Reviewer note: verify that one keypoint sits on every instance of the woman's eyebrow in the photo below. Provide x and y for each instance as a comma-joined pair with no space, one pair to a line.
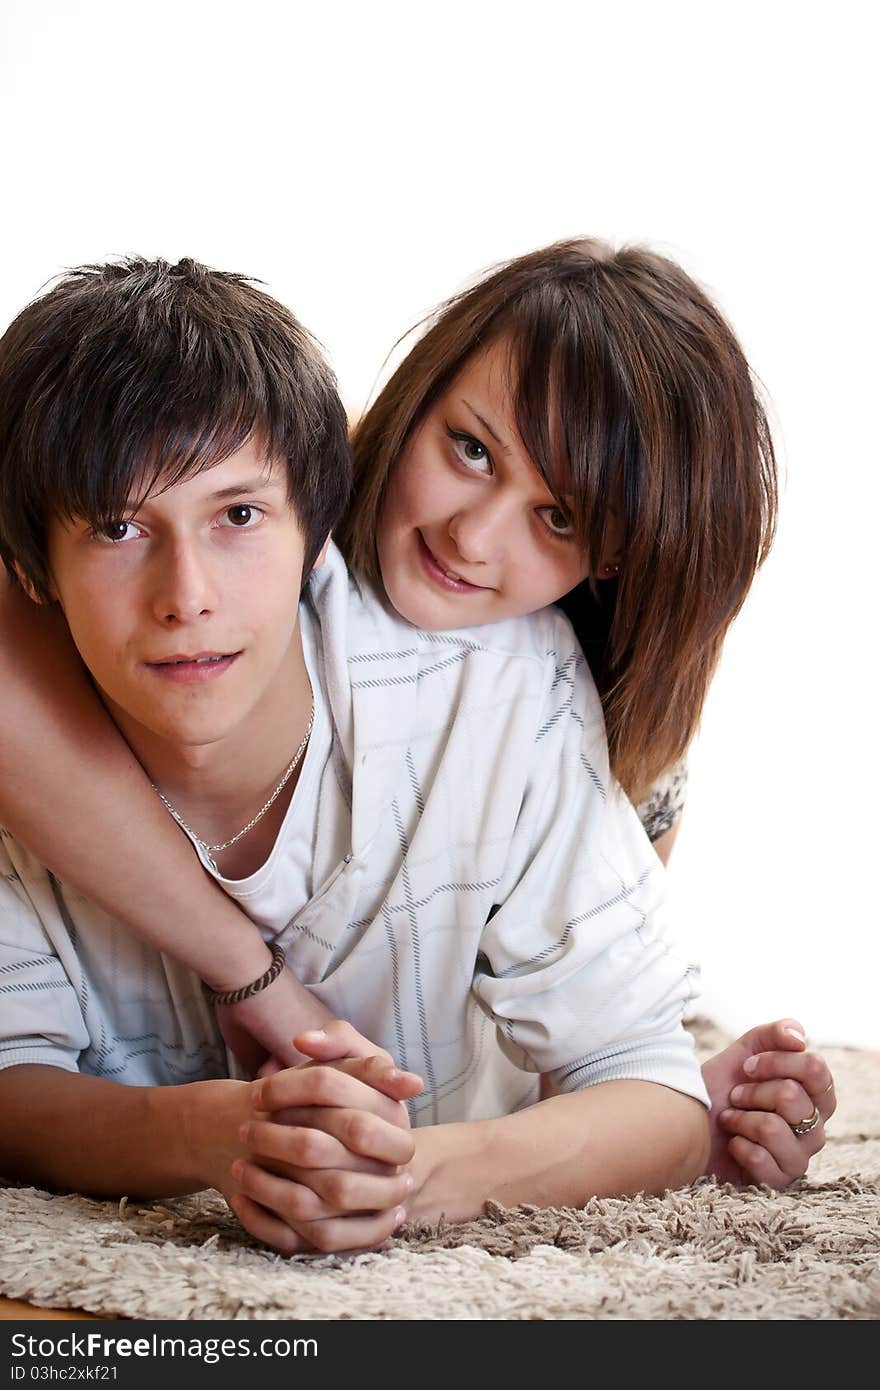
485,423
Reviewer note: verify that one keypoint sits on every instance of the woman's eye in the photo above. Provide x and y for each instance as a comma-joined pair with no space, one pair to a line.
558,521
471,452
116,531
241,515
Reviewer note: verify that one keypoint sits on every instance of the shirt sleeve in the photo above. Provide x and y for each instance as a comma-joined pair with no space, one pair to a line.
40,1016
575,967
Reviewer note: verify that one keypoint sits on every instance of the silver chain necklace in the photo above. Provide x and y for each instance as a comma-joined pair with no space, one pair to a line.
211,850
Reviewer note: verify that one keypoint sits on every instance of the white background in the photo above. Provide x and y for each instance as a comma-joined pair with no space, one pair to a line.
366,159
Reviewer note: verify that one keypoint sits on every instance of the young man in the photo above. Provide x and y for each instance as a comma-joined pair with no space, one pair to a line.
419,821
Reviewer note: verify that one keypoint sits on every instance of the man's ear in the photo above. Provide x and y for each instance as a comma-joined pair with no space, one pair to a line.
28,587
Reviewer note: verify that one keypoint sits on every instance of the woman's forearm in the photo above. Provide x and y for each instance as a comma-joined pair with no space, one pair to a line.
74,793
614,1139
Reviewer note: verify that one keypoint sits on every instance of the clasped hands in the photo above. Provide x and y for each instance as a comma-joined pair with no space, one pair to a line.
325,1155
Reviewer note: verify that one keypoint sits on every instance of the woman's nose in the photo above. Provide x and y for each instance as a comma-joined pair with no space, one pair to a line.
481,531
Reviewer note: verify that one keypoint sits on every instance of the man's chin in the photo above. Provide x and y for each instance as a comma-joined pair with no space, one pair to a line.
187,741
192,738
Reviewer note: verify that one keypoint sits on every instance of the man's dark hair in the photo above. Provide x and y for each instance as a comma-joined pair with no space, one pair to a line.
136,374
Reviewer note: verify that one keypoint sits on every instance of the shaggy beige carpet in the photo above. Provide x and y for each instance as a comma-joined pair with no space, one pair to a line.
708,1252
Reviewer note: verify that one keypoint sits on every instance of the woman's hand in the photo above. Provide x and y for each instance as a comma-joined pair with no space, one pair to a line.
263,1027
760,1086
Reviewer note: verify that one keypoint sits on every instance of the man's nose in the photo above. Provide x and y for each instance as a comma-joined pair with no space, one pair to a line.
185,589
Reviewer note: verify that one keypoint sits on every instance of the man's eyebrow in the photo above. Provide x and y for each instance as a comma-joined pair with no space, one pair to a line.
257,484
485,423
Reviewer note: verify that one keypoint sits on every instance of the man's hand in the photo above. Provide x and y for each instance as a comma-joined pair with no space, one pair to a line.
760,1086
324,1147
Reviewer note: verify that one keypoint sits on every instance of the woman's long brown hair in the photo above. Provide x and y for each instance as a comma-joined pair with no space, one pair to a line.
630,390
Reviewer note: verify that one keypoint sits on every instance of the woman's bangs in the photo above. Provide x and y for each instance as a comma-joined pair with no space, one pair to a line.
560,420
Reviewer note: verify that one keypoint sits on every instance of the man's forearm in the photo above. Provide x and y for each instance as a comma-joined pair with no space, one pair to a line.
64,1130
614,1139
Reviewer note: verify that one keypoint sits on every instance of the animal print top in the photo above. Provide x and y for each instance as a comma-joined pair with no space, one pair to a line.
665,802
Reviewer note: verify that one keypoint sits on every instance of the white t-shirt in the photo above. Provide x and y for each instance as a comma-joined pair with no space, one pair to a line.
284,883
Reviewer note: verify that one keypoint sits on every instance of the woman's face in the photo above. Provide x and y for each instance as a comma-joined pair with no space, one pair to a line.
469,532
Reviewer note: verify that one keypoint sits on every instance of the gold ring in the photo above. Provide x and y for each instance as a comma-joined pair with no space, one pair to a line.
807,1126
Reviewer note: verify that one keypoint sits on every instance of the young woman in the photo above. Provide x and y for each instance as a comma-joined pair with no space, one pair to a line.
580,427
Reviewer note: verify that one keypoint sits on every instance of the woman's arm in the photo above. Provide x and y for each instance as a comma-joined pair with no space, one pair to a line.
74,793
665,843
751,1125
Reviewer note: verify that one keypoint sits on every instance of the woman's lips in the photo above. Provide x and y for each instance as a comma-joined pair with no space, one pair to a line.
193,670
436,572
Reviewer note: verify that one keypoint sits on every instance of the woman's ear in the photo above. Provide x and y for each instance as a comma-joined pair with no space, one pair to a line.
322,553
612,545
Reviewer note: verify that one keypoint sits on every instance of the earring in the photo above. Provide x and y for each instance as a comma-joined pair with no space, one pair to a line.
609,571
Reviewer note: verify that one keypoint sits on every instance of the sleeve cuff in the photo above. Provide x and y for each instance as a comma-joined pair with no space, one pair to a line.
668,1063
38,1053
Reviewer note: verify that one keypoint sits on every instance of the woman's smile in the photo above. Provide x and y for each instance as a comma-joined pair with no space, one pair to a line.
440,573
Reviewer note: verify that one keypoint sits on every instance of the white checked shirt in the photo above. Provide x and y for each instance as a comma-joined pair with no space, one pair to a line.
484,902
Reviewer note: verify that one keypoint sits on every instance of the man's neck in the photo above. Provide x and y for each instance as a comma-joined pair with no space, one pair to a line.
217,787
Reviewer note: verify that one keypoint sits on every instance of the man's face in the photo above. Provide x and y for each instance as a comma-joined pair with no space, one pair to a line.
186,612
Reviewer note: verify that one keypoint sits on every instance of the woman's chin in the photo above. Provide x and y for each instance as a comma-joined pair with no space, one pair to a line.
429,617
426,605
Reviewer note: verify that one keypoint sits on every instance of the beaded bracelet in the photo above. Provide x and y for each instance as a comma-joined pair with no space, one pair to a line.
235,996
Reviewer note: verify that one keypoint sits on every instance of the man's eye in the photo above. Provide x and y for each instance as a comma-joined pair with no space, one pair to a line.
471,452
241,515
115,531
557,520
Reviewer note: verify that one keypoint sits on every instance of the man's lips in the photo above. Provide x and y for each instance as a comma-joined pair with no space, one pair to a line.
193,668
447,578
